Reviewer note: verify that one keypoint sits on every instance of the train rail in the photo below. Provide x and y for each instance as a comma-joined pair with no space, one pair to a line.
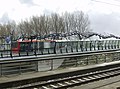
71,81
68,79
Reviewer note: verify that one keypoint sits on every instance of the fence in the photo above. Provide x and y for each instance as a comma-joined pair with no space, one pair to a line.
59,48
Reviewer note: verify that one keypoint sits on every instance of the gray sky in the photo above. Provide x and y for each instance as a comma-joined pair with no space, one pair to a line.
103,14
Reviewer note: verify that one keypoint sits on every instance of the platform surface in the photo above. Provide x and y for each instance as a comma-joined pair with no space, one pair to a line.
23,76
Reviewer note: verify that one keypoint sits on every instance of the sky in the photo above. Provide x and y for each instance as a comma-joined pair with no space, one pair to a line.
104,15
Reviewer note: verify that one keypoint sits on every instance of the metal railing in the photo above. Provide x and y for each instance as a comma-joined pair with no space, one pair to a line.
61,47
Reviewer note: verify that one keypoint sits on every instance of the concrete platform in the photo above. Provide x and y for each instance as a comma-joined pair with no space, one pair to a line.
4,79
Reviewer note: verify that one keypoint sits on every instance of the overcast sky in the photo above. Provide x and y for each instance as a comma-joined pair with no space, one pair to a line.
104,15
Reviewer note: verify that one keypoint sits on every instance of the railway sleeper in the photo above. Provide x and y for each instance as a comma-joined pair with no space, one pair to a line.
91,77
44,87
54,86
96,76
75,81
101,75
69,83
105,75
81,80
61,84
86,78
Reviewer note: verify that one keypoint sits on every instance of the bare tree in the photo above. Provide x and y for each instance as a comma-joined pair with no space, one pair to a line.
82,23
76,21
7,29
66,20
25,28
35,23
47,24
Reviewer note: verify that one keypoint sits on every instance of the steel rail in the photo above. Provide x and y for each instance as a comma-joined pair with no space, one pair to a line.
67,79
71,81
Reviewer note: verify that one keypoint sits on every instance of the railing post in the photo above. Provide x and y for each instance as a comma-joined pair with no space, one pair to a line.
55,48
27,52
48,51
11,54
115,45
11,45
42,49
90,46
95,45
60,50
98,45
71,48
81,46
111,45
86,45
1,55
108,46
105,46
35,48
19,53
34,52
77,47
102,45
66,50
118,44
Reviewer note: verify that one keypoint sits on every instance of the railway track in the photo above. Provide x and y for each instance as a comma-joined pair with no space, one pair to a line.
70,81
